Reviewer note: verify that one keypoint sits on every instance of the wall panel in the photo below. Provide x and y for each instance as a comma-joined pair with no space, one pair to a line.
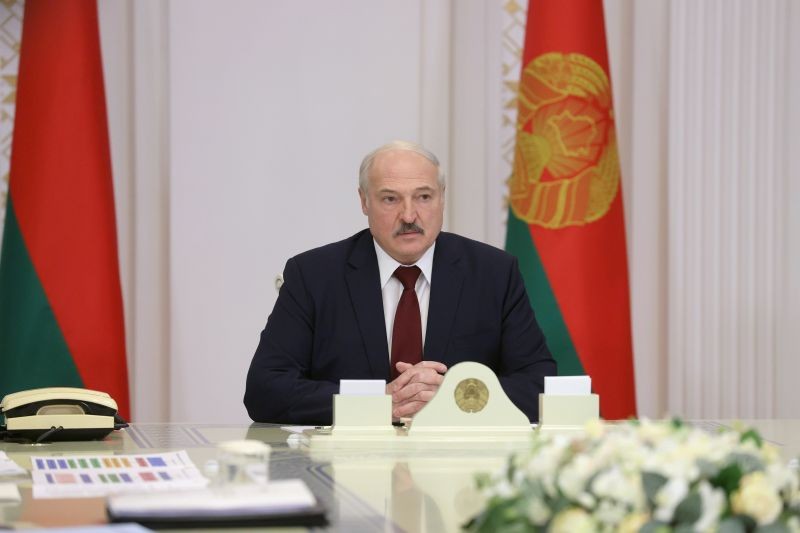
725,145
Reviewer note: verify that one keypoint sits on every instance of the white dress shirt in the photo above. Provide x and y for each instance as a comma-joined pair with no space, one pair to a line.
392,289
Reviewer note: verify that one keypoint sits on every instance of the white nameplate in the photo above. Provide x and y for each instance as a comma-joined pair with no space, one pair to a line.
362,387
567,385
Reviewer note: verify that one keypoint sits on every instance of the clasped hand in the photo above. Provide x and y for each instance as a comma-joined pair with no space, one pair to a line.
414,387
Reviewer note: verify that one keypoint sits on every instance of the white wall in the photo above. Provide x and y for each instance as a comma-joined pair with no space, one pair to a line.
237,130
787,315
271,107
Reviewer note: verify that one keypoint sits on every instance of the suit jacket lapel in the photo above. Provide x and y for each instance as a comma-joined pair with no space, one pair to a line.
364,285
444,299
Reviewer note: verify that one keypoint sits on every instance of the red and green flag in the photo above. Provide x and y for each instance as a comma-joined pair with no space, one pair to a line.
566,222
61,319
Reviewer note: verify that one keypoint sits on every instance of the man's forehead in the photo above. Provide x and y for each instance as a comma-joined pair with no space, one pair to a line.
403,162
421,188
399,153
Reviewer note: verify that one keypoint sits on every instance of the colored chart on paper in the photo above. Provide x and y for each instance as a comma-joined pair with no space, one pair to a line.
85,476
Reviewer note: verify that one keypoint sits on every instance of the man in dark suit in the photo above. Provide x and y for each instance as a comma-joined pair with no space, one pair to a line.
435,298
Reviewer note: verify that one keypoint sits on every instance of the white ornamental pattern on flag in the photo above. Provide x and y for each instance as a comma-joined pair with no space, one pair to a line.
10,37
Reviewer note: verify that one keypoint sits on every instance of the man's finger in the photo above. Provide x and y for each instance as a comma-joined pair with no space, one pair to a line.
407,371
402,367
412,389
414,374
413,406
421,395
408,409
436,365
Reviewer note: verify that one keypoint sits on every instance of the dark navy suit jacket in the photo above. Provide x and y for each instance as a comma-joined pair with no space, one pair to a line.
328,325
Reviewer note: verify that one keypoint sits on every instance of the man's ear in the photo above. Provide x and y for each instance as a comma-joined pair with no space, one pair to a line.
363,197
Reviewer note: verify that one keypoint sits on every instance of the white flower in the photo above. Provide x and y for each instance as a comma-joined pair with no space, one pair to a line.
573,520
668,497
504,489
610,513
698,445
618,448
633,523
712,505
615,485
770,452
652,431
676,457
538,512
757,498
573,477
546,458
595,428
586,500
784,480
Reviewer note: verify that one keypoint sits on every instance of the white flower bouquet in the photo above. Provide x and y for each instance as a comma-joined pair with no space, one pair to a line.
643,476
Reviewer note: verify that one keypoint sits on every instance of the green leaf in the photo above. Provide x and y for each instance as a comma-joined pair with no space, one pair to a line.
747,521
731,525
728,478
499,515
476,523
483,480
515,527
775,527
512,467
652,483
654,527
510,513
708,469
559,504
747,463
689,510
753,435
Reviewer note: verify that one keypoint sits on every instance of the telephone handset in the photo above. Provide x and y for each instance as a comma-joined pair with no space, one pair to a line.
60,413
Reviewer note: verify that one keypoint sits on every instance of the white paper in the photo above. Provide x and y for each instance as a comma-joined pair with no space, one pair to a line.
87,476
278,496
362,387
106,528
567,385
298,429
9,492
9,467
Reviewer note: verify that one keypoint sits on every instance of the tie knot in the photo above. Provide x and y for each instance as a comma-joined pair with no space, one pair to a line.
407,276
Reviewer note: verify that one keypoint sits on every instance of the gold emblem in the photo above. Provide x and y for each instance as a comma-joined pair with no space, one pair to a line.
566,168
471,395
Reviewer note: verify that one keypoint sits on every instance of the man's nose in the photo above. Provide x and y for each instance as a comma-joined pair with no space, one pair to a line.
409,213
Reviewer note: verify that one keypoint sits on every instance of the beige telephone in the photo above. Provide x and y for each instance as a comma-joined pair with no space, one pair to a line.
60,413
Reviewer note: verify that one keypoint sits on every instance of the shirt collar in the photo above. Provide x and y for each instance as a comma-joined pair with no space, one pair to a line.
387,265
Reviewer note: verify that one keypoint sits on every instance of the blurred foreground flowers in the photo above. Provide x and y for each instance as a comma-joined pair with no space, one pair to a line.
643,476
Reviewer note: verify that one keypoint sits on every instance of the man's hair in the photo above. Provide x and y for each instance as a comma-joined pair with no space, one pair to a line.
366,163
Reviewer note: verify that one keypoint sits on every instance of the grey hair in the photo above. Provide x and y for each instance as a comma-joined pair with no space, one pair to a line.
366,163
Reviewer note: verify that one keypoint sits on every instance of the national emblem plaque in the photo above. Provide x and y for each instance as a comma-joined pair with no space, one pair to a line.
471,395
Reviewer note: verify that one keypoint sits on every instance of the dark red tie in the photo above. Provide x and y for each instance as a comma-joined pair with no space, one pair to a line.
407,329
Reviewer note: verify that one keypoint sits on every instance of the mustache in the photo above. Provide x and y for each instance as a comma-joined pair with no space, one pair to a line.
408,227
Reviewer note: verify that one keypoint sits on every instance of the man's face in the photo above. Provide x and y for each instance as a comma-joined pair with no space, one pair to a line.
404,204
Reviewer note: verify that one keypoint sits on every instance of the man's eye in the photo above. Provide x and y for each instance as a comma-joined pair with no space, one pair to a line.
389,199
425,196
